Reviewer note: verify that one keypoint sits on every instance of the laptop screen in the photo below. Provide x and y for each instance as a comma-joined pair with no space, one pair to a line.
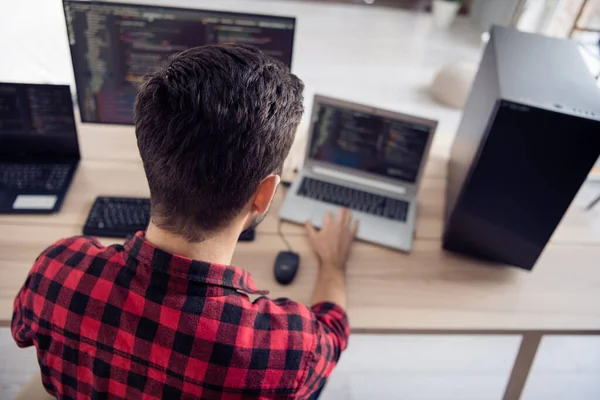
393,148
37,121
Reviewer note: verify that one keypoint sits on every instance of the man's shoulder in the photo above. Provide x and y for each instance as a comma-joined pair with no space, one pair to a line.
66,247
73,252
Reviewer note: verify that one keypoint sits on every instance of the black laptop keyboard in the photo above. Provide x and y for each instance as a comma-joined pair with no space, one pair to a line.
354,199
34,176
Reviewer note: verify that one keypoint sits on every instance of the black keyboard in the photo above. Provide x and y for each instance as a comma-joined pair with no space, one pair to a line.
34,176
124,216
354,199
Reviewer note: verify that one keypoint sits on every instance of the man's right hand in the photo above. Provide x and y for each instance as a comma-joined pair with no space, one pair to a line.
332,243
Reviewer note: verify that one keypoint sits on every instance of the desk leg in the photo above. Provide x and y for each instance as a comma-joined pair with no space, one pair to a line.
522,366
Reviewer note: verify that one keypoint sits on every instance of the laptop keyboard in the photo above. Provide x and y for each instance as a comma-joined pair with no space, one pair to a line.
34,176
354,199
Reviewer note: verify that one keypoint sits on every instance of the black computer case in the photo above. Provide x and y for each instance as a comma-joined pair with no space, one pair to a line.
529,135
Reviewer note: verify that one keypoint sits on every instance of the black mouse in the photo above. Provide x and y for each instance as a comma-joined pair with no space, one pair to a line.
286,267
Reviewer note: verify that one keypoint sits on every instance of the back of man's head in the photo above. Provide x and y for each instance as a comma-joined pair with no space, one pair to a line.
210,126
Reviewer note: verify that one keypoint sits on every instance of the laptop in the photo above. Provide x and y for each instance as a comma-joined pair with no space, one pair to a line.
39,152
368,160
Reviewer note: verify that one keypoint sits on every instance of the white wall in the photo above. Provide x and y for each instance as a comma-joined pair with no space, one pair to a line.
33,42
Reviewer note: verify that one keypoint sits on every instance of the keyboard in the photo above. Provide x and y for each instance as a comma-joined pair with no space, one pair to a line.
354,199
124,216
34,176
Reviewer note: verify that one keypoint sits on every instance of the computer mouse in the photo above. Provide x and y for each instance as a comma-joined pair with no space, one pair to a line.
286,267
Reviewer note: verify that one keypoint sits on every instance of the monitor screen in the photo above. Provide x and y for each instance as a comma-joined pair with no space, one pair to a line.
393,148
36,118
113,46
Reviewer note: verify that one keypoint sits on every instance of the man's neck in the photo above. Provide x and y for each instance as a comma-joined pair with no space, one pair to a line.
217,249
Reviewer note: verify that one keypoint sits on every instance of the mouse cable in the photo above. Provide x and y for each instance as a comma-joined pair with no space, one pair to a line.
282,236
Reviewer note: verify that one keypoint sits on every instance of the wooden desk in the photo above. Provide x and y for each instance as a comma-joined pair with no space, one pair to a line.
428,291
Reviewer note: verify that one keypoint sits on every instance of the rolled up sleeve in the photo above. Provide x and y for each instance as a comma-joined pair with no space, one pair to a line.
331,332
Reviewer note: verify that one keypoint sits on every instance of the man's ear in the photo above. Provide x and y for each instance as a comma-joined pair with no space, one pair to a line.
264,193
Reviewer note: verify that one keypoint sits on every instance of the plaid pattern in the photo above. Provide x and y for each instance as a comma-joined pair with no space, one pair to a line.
134,322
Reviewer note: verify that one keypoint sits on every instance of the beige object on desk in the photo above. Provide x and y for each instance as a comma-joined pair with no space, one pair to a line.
427,291
452,84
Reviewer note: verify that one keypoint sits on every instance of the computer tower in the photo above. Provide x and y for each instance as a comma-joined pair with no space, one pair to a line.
529,135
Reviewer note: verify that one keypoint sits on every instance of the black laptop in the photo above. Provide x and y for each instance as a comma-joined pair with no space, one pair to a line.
39,152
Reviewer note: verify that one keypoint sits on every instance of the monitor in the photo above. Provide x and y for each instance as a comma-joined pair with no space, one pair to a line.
115,45
370,140
37,121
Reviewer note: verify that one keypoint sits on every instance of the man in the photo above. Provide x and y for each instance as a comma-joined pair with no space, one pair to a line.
165,316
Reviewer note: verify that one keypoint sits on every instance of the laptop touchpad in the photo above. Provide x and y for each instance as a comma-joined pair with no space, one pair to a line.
317,215
34,202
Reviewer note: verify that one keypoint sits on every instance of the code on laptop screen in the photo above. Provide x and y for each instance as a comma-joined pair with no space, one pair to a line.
389,147
36,110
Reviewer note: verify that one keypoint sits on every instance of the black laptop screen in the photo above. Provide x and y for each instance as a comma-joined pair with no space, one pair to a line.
372,143
37,121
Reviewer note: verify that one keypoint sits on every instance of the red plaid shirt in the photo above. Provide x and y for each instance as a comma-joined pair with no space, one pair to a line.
134,322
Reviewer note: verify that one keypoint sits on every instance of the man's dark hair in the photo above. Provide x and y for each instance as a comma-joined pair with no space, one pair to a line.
210,126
